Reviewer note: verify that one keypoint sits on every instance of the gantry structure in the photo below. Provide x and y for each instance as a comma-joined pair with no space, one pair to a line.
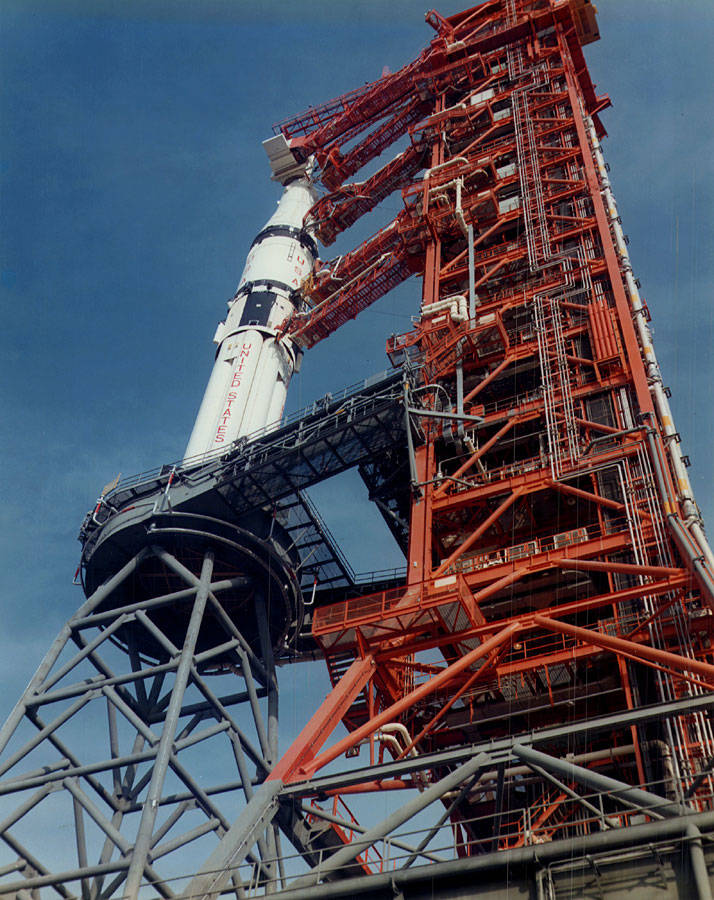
531,699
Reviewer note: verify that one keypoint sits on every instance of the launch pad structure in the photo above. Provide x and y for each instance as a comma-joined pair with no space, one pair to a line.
532,696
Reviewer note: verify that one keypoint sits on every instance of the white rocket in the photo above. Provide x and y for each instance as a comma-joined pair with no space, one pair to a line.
249,382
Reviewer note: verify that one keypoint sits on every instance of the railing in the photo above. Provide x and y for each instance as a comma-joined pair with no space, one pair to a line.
342,820
364,578
329,618
551,816
326,401
402,600
536,546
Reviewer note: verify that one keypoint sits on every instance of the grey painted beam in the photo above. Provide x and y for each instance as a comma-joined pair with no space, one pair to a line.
497,864
235,845
618,790
347,854
142,845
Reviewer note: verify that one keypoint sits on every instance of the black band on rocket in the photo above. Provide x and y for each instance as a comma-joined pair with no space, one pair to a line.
301,236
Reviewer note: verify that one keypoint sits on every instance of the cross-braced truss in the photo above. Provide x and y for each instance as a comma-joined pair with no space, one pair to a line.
105,744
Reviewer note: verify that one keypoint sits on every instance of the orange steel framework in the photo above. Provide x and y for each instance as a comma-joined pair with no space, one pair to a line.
557,568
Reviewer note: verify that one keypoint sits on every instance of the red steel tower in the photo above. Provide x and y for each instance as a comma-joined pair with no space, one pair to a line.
556,555
544,674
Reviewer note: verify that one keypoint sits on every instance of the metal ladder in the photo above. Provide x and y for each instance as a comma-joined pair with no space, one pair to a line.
532,198
555,377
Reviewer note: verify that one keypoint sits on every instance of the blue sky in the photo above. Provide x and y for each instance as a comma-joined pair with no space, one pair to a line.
133,181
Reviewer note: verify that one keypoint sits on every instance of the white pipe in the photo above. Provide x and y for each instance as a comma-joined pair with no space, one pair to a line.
444,165
654,375
701,539
459,210
457,305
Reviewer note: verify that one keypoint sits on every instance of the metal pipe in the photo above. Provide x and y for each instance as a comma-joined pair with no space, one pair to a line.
654,375
642,652
98,683
190,578
24,808
205,709
85,651
677,528
438,414
119,841
429,836
472,275
449,162
503,746
102,592
699,863
235,845
680,538
701,539
605,821
252,752
45,731
360,829
113,764
185,838
413,475
482,528
394,711
593,756
184,594
460,389
261,613
58,879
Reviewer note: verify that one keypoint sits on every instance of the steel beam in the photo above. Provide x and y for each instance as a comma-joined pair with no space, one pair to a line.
347,854
323,722
503,863
60,642
392,712
142,843
644,801
642,652
235,845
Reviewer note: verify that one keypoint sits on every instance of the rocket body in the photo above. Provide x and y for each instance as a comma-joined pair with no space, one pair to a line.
248,385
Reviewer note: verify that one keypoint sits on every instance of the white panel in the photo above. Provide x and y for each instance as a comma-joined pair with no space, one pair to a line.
228,392
274,371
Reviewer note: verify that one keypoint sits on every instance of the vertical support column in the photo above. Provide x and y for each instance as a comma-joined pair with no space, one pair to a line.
472,276
266,647
163,754
419,558
698,863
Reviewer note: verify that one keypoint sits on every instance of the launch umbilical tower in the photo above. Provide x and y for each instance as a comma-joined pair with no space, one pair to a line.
533,697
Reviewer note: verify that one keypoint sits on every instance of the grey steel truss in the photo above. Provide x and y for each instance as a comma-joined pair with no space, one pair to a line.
102,749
